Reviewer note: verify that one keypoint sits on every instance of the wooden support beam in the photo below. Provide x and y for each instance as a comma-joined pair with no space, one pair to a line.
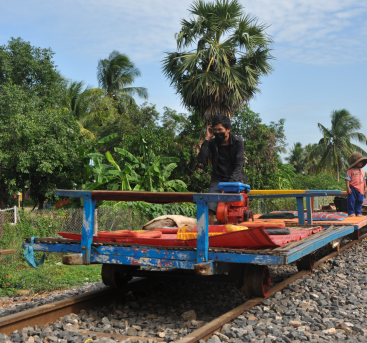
72,260
6,252
205,268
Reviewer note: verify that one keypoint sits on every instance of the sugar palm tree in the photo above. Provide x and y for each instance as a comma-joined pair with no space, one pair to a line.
336,147
222,54
115,76
296,157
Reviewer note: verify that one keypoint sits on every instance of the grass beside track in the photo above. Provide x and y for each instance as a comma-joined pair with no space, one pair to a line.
51,276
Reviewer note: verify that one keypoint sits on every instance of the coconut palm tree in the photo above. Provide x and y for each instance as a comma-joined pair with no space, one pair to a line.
90,106
115,75
336,147
310,163
76,100
296,157
222,54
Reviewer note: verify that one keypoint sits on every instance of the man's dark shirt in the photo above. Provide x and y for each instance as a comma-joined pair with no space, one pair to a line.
235,172
225,165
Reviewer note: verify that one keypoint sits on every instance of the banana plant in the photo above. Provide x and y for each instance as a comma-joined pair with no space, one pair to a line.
156,176
172,185
147,173
119,174
285,175
124,171
84,155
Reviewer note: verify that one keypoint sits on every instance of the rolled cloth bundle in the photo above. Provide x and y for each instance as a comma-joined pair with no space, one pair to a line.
169,221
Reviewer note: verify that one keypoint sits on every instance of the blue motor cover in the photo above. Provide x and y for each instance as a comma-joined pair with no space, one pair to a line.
233,187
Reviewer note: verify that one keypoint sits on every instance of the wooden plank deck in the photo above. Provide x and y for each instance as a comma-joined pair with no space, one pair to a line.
6,252
357,222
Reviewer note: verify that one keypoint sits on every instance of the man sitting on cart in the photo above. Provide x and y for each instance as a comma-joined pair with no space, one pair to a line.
227,154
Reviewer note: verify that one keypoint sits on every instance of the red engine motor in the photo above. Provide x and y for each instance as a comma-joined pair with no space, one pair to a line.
237,211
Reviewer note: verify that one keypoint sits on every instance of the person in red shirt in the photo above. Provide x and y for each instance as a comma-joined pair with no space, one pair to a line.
356,184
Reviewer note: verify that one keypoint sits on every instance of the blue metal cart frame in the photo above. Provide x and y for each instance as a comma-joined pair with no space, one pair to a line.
216,262
248,269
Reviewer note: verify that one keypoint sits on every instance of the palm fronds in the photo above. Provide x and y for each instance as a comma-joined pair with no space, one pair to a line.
336,147
115,76
231,52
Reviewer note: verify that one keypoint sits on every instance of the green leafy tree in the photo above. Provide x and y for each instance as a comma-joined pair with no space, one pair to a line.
115,76
262,145
169,134
38,137
297,157
336,145
319,181
176,135
284,177
139,120
222,55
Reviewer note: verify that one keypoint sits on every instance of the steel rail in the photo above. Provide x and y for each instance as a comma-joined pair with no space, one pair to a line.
210,328
49,313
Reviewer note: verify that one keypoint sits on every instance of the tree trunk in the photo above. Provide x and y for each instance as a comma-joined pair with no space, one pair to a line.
337,171
3,191
41,203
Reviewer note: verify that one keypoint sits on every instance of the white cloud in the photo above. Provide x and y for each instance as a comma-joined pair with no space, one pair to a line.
306,31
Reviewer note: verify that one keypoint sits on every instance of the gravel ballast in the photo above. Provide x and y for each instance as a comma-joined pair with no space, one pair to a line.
11,305
329,305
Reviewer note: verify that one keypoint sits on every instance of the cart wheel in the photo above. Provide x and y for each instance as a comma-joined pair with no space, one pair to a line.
257,281
116,275
306,262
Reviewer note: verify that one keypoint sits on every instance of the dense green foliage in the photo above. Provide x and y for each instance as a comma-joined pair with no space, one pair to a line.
151,211
262,145
331,154
38,138
168,134
52,128
319,181
30,225
146,172
179,136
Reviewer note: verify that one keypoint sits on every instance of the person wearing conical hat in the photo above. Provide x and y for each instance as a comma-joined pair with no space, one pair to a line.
356,184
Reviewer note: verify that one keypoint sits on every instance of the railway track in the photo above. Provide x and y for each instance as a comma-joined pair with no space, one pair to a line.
47,314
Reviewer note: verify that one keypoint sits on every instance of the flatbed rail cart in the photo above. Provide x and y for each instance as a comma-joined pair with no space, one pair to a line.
247,268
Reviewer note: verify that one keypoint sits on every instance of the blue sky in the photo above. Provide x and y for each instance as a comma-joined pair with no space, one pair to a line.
320,49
